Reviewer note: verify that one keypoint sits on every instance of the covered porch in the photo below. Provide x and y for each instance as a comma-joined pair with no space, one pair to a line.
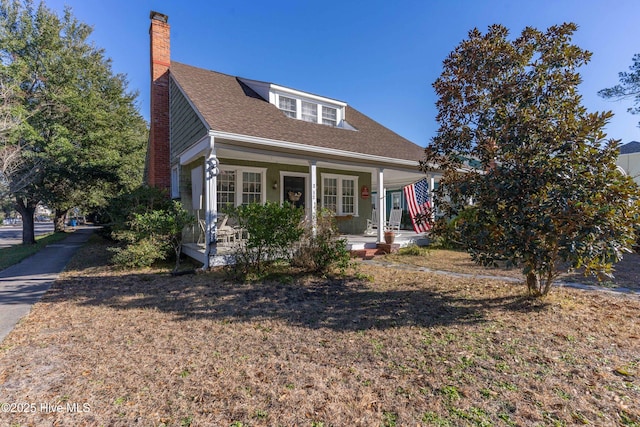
223,170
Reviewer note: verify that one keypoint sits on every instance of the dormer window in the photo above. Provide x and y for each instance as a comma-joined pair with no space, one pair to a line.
288,106
302,106
308,107
329,116
310,112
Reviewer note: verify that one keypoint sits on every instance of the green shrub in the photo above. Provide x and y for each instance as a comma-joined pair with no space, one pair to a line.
272,230
142,253
160,228
320,252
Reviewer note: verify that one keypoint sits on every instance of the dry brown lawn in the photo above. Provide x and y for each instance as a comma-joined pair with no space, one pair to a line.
626,273
405,348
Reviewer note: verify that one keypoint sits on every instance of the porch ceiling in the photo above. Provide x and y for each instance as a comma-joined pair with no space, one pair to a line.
393,175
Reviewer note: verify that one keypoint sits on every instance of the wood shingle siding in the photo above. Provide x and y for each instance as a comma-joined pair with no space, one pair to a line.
186,126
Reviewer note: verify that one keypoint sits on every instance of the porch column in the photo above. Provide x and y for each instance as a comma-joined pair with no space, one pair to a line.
314,196
380,205
432,185
211,213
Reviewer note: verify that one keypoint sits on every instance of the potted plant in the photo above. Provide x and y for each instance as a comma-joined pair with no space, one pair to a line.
389,236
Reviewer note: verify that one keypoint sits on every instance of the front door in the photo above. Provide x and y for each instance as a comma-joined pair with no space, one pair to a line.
294,190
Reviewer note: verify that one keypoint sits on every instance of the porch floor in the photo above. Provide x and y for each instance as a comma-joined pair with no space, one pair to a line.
355,242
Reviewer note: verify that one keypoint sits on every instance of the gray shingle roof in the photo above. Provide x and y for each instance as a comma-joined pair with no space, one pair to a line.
228,105
631,147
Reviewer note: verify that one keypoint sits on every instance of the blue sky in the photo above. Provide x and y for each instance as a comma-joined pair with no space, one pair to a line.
379,56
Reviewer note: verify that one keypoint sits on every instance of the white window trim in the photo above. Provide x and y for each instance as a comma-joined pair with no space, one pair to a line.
311,100
339,178
304,101
175,182
239,170
307,190
322,119
297,106
297,174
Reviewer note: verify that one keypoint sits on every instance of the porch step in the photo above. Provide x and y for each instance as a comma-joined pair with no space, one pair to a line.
380,249
366,253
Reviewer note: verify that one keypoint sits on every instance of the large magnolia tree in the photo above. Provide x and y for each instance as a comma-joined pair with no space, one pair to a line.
528,173
80,138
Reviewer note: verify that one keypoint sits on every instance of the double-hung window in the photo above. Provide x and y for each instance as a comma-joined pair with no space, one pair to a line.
226,189
309,112
251,187
240,186
330,193
339,194
329,116
288,106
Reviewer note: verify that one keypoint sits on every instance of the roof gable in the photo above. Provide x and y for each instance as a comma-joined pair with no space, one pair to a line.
231,106
629,148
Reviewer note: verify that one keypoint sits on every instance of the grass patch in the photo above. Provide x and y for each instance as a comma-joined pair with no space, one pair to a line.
14,254
404,348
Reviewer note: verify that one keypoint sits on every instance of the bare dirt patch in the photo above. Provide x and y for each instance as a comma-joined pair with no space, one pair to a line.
407,348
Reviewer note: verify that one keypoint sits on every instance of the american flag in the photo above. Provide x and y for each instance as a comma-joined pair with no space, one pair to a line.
417,195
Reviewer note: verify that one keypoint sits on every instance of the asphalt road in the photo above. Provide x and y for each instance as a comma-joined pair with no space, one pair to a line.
12,234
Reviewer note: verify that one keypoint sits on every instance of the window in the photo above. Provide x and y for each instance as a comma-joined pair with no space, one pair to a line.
288,106
175,182
396,200
348,196
329,116
308,107
330,194
309,112
240,185
251,187
226,189
339,194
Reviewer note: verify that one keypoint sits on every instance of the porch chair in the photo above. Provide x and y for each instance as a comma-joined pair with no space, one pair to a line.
224,233
372,224
395,219
202,227
393,224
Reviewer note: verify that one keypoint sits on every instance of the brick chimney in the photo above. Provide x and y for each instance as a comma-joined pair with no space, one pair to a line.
158,166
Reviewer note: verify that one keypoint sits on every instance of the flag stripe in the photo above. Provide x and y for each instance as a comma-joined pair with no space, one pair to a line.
417,196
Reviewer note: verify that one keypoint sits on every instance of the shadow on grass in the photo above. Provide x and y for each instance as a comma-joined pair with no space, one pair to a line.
337,304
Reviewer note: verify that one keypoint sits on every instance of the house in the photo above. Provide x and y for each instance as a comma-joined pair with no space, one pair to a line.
629,160
217,139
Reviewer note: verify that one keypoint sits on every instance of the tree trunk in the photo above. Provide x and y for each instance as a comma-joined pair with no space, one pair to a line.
58,220
27,209
536,287
178,251
533,284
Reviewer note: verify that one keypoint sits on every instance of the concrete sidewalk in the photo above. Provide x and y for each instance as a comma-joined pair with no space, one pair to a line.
25,283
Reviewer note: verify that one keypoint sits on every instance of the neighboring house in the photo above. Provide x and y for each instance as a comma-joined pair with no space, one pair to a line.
629,160
218,140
